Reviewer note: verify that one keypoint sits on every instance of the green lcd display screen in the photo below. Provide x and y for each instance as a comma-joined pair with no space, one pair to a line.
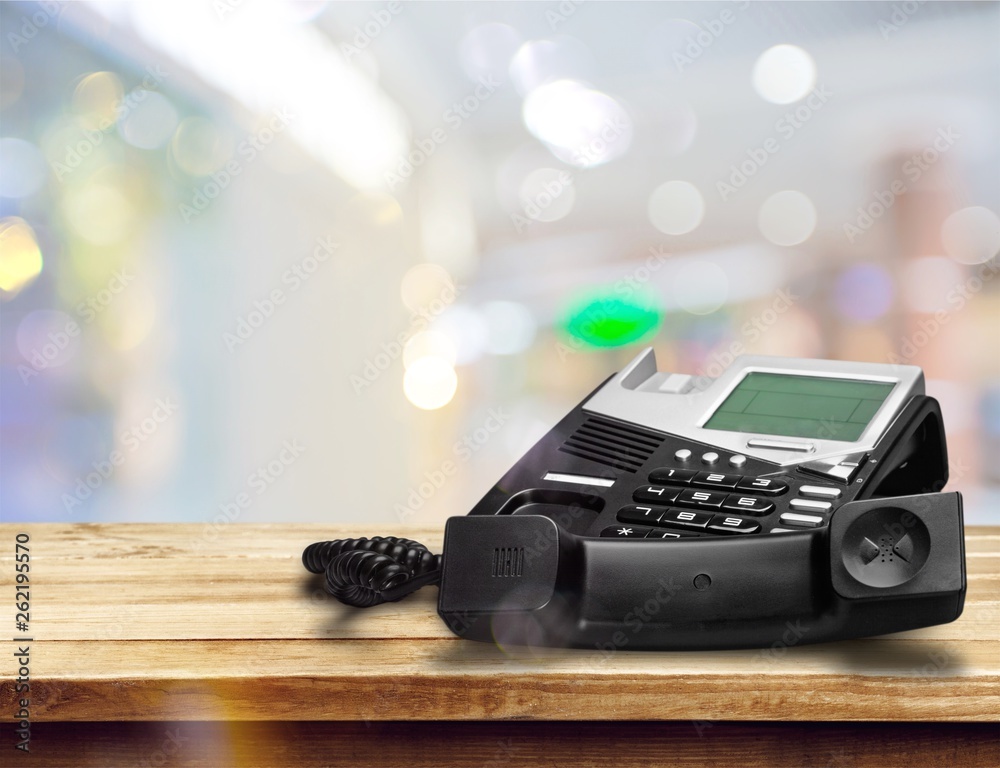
800,406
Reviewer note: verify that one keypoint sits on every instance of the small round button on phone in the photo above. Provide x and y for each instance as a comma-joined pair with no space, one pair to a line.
710,458
738,460
682,455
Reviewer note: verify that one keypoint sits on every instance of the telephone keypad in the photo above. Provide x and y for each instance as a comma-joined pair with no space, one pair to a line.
716,480
672,476
636,513
684,518
727,524
748,505
655,494
694,498
766,485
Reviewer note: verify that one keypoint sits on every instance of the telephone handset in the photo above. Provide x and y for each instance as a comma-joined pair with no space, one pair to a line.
669,511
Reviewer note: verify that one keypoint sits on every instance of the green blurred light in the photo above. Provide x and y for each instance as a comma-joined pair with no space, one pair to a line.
604,319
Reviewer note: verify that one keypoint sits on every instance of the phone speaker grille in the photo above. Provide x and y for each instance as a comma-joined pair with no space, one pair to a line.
508,561
619,446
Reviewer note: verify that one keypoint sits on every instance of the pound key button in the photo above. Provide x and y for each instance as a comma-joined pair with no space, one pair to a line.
625,532
655,494
766,485
727,524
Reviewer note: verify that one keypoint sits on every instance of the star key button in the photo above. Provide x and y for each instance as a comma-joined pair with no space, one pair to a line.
625,532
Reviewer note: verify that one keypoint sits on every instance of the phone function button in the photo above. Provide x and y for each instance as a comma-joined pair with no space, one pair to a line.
766,485
810,505
748,505
820,491
780,445
710,458
625,532
716,480
727,524
738,460
655,494
683,518
693,498
674,476
842,468
682,455
803,521
635,513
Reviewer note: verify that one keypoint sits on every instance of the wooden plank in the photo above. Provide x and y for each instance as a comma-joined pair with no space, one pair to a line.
164,622
697,744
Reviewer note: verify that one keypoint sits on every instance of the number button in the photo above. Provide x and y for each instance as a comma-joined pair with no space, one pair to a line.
635,513
672,535
682,518
673,476
625,532
748,505
716,480
726,524
655,494
765,485
693,498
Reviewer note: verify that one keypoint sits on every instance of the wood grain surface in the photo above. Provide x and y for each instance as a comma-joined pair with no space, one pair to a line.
186,622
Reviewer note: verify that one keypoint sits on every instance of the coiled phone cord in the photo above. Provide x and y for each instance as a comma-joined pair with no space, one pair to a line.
367,572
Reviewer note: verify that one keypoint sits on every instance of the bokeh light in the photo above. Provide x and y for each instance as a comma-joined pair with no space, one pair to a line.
199,146
787,218
783,74
48,338
928,281
20,256
96,100
676,207
99,213
23,167
602,318
863,293
546,196
151,122
430,383
429,344
542,61
510,327
424,283
971,235
701,287
467,329
487,50
579,125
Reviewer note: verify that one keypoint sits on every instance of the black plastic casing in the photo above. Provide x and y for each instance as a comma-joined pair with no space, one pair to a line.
525,580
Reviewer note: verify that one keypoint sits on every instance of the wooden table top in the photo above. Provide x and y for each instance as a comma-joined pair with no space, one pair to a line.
175,622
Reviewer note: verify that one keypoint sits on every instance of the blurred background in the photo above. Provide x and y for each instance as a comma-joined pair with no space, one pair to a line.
345,262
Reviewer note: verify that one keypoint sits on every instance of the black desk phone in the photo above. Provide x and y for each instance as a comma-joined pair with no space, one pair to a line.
669,511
